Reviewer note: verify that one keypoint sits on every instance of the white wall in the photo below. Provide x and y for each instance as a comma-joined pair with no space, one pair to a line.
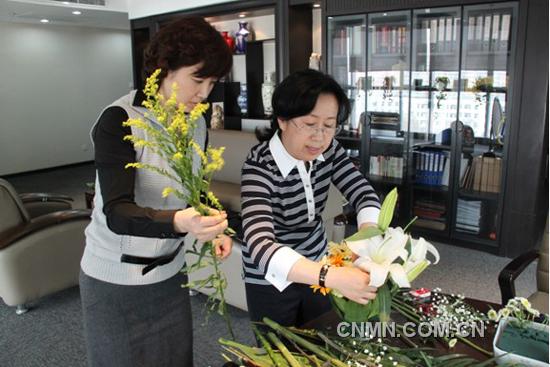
145,8
55,81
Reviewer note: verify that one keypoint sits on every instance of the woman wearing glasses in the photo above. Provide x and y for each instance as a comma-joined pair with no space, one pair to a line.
285,184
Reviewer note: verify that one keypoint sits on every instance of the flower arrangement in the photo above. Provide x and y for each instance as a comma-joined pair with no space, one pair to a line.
522,333
191,176
392,257
520,309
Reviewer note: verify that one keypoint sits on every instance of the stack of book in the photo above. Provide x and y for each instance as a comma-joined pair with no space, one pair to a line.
386,166
468,214
389,39
482,174
430,168
431,214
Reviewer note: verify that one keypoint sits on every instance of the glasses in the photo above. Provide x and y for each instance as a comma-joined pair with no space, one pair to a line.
312,130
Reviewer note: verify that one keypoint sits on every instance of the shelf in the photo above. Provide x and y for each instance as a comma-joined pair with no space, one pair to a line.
385,180
471,237
432,146
348,139
479,195
441,189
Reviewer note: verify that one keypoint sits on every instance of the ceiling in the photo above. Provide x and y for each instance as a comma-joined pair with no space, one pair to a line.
32,11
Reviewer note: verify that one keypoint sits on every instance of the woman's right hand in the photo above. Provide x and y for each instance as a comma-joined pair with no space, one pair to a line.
353,283
203,228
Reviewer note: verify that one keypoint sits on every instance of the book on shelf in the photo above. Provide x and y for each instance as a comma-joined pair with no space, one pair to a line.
468,215
430,167
489,32
386,166
389,39
430,224
482,174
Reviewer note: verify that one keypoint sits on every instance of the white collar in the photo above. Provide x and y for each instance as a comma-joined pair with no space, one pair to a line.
282,157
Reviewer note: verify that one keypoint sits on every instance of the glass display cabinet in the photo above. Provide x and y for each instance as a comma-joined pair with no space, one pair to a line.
485,69
346,63
385,137
429,89
433,111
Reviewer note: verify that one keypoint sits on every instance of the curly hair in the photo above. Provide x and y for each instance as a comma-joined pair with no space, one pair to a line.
185,42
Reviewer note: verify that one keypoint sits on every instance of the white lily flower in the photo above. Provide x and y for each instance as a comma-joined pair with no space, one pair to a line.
419,250
377,254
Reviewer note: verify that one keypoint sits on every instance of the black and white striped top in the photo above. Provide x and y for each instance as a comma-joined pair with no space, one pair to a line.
275,208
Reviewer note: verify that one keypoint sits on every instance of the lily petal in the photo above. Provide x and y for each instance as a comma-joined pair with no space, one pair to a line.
391,249
399,276
365,248
378,273
434,252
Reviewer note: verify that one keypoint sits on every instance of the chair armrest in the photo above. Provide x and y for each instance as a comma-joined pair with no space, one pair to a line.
508,275
11,235
43,196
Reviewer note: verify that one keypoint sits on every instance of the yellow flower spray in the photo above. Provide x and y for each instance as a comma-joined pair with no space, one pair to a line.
175,144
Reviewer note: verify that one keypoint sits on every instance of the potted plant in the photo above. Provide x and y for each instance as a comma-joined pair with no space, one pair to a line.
519,339
441,83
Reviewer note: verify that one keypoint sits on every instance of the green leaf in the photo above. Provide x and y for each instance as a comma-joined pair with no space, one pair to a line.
352,311
384,302
365,233
386,212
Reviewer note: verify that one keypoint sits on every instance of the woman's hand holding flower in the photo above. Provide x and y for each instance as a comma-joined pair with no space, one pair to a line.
352,283
203,228
223,245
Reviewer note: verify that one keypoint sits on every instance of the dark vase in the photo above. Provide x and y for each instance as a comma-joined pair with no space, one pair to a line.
228,40
240,37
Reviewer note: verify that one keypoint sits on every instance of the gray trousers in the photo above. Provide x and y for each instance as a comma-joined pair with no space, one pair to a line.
137,326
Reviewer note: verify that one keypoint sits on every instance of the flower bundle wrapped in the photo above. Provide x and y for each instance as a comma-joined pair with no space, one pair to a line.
392,257
191,176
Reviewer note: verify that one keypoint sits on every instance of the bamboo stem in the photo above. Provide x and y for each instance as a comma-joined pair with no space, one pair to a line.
284,351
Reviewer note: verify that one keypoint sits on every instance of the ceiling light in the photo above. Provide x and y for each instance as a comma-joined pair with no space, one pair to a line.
385,14
66,2
242,15
316,5
76,12
44,21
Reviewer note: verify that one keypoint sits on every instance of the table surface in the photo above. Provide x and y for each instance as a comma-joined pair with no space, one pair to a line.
329,321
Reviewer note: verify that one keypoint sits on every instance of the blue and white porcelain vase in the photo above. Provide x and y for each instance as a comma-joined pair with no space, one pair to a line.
241,37
242,100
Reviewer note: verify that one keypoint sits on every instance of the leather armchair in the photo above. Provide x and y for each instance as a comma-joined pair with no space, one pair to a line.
508,275
226,185
40,255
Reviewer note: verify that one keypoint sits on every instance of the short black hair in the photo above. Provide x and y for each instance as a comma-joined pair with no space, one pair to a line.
297,95
188,41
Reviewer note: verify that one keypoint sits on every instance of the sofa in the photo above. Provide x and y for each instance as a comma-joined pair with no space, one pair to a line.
226,186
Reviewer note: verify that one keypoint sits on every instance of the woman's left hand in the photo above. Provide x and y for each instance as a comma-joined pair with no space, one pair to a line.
223,245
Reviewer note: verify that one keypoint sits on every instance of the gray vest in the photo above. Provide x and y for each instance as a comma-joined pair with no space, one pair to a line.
104,248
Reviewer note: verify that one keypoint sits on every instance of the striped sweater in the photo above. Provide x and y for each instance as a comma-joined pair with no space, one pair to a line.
275,207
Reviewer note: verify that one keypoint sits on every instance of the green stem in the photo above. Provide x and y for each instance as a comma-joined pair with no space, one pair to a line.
473,345
284,351
304,343
266,346
220,290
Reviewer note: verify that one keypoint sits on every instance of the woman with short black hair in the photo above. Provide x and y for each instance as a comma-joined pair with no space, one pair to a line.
135,311
284,189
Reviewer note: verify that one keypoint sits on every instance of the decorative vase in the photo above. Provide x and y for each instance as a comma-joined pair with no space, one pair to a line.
228,40
522,346
267,92
242,100
240,37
